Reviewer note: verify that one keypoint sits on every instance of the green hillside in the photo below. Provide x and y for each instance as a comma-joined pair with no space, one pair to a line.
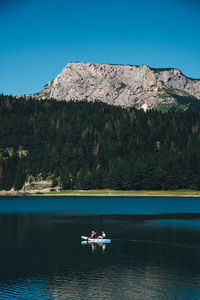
81,145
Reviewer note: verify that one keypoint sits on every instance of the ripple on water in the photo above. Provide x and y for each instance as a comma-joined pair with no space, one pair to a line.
110,283
30,288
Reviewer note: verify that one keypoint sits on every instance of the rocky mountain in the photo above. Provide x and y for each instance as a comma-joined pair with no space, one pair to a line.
123,85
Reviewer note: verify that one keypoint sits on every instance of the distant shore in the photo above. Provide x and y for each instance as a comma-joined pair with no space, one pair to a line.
107,192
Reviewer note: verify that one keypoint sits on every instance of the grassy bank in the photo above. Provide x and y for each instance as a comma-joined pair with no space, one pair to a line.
107,192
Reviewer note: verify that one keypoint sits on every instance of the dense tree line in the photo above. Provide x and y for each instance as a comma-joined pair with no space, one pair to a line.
84,145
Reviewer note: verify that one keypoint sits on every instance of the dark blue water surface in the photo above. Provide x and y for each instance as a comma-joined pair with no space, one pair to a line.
100,205
154,253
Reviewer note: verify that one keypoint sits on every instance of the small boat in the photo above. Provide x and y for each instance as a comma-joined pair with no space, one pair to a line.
89,240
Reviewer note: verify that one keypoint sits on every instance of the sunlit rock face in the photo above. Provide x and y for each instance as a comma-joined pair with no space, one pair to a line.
122,85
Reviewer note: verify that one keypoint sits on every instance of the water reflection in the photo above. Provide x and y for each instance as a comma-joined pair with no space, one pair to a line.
145,281
94,246
187,224
150,257
127,282
25,288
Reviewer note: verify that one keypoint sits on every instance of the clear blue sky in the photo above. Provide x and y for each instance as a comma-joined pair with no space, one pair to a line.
39,37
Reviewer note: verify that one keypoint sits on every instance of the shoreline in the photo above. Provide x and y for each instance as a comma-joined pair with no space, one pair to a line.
120,193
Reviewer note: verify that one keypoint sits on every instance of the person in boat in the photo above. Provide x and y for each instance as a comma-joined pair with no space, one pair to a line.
102,236
93,235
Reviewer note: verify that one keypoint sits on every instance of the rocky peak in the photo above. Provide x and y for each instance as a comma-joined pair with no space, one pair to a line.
123,85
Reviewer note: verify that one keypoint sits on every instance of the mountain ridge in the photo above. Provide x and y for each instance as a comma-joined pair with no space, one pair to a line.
123,85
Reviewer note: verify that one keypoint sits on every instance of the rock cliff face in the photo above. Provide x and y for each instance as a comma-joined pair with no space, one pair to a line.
123,85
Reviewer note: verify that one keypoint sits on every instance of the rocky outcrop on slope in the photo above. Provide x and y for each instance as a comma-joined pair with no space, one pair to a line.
122,85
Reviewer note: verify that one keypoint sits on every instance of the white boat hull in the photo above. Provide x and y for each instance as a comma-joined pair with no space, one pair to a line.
89,240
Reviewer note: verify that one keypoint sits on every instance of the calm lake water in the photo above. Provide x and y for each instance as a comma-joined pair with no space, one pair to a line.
154,253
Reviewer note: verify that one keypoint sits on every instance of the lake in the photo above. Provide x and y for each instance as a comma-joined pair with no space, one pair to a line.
154,253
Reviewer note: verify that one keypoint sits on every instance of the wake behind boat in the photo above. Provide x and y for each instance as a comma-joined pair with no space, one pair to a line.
97,240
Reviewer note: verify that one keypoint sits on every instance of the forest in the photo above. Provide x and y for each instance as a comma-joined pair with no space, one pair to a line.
85,145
